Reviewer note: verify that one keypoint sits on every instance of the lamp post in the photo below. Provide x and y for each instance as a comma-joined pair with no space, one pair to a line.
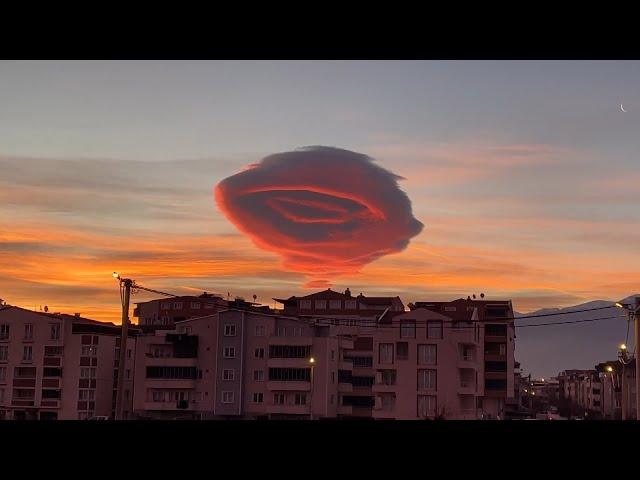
633,312
609,369
125,290
312,363
624,394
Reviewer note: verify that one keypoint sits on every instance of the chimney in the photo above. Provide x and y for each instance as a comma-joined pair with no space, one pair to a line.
347,292
77,315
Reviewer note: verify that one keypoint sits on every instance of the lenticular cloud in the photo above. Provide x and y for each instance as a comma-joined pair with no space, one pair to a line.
326,211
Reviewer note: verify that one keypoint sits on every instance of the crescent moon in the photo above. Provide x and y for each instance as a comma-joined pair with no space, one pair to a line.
622,108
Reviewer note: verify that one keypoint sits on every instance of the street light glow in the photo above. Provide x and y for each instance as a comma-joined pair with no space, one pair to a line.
116,275
623,346
312,360
609,368
619,305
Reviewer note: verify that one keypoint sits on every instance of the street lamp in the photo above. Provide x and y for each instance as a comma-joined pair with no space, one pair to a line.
609,369
312,363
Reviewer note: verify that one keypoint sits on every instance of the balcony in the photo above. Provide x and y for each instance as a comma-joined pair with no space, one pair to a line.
297,341
24,382
288,362
171,361
288,409
345,388
495,339
52,361
344,410
162,383
467,362
345,364
279,385
169,406
495,357
50,383
467,387
50,403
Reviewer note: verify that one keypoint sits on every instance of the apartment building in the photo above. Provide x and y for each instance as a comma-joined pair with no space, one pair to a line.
356,317
162,314
58,366
605,392
580,393
243,364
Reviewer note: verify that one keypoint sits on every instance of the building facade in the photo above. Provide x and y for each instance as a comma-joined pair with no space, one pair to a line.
242,364
57,366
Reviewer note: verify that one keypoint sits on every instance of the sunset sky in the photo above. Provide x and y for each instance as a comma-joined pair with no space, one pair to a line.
525,176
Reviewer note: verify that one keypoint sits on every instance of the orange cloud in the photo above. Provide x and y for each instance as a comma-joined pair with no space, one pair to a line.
327,212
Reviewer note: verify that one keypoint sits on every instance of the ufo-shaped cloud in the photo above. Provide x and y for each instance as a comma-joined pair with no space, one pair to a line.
326,211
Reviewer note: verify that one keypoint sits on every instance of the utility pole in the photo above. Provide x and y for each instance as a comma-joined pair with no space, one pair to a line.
125,289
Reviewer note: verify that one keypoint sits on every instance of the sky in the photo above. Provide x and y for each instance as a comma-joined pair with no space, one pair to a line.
523,174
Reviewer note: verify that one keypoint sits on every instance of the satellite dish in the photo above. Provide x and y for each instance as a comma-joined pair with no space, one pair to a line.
482,295
474,296
46,309
254,297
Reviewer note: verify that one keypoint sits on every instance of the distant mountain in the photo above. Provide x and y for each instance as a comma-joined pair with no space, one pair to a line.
545,350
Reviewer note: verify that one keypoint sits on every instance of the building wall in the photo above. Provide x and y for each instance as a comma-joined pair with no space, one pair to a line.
70,364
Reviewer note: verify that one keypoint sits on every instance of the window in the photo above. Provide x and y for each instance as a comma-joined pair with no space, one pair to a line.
333,354
279,398
51,372
258,397
434,329
228,374
3,374
259,353
388,401
282,331
166,306
333,377
260,330
332,399
495,330
128,373
28,331
388,377
258,375
386,353
86,395
402,350
55,331
427,379
467,353
362,381
87,372
27,353
335,304
129,352
290,374
4,353
53,351
229,352
227,397
366,362
4,331
300,399
321,304
350,304
208,306
503,349
408,329
195,305
88,351
156,396
1,399
305,304
427,354
495,384
449,309
426,405
289,351
229,330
